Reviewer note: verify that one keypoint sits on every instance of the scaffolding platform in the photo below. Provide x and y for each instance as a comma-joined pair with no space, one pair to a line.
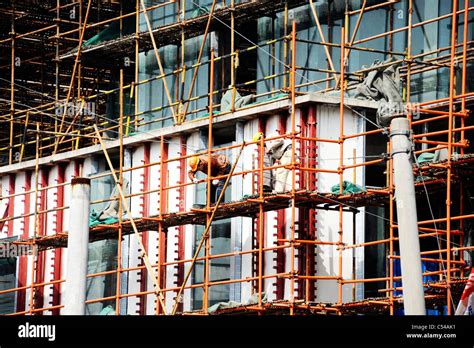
171,34
435,292
249,206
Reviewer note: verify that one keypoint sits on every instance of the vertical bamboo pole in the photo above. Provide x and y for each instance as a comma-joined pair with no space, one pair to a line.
158,60
71,83
180,91
463,109
233,55
120,210
209,183
341,162
354,162
207,229
408,57
285,45
347,21
143,253
391,229
36,221
354,220
161,244
24,140
464,70
323,40
79,65
273,61
390,38
12,87
293,166
260,222
356,29
198,63
137,61
56,87
452,94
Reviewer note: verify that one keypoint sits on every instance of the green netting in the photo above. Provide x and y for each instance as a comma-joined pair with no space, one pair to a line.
426,157
204,10
232,304
94,220
109,310
347,187
112,31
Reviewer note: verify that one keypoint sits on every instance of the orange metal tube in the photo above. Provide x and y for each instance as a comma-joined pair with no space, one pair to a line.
293,164
341,162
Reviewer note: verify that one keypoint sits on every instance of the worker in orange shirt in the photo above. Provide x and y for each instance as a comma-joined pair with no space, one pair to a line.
220,165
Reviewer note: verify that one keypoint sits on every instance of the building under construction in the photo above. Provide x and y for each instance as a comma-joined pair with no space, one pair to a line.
116,98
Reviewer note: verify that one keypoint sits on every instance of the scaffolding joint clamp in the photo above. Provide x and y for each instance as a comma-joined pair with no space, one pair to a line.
397,151
401,132
385,156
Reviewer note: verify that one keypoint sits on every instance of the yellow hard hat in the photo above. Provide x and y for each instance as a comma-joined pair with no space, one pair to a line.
193,163
257,136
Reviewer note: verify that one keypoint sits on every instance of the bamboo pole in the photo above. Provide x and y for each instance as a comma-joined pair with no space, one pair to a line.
323,40
71,83
210,143
120,208
196,69
452,94
233,58
158,60
36,223
12,88
206,231
341,165
293,166
137,63
143,255
356,29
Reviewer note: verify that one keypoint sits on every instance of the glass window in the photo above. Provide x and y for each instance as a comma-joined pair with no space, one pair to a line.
101,188
219,268
7,281
102,254
102,257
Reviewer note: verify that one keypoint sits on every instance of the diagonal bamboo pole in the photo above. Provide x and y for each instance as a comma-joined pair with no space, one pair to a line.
198,64
206,231
69,128
73,75
356,29
158,59
143,255
323,40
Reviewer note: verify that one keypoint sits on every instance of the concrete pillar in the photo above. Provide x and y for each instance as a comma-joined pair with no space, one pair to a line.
412,280
236,223
78,241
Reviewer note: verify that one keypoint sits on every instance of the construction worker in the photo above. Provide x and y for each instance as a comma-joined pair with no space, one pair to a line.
267,163
220,165
280,152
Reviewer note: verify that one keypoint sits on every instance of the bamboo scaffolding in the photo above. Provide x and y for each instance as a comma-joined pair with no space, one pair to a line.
440,112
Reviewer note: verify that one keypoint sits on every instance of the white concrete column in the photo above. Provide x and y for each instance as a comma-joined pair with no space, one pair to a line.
412,280
78,241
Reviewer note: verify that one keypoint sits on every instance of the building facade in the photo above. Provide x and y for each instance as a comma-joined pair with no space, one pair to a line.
289,69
